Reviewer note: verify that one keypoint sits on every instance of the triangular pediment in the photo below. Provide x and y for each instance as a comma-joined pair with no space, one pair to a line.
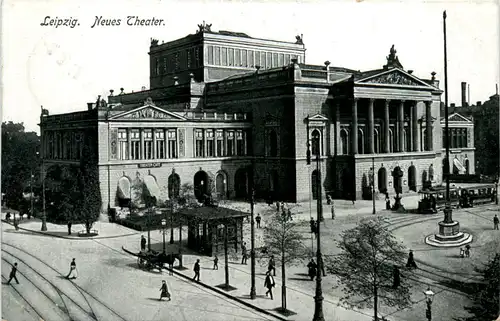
148,112
317,117
458,117
394,76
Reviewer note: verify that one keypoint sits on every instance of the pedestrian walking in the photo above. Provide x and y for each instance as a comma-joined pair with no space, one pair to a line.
244,255
69,228
387,202
467,250
271,265
257,219
495,222
462,252
311,269
73,273
12,274
333,210
396,277
328,199
216,262
312,224
411,261
289,215
164,291
196,270
277,206
269,284
143,243
7,217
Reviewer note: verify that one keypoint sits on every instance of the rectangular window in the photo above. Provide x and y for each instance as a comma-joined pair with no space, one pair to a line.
257,59
287,59
275,60
209,135
224,56
231,57
135,139
230,143
250,58
217,56
220,143
122,144
160,144
244,61
148,144
172,143
263,60
157,67
210,55
237,57
164,65
240,147
269,60
78,147
281,60
198,143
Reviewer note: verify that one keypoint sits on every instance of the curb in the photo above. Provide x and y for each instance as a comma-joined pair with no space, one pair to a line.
70,237
263,311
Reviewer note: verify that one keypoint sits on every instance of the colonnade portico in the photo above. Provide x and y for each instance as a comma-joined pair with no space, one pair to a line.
402,108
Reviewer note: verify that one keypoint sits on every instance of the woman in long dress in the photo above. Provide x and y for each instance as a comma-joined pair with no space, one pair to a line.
164,291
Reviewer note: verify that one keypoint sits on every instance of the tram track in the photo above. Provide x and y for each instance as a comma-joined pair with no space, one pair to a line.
60,293
27,301
82,291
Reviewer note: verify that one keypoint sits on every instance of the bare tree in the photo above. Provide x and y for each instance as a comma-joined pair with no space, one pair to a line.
284,242
366,266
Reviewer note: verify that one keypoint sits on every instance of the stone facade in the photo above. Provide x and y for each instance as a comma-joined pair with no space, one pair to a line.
258,125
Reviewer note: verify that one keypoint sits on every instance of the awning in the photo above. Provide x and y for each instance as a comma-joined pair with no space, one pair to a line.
124,188
458,165
152,186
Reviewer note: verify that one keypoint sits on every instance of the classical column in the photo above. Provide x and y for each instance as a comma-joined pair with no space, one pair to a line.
153,149
371,133
337,129
387,141
401,128
414,125
354,129
129,144
141,152
428,125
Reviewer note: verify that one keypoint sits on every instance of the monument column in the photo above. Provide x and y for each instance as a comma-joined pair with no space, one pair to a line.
414,125
387,142
401,128
354,126
428,125
371,132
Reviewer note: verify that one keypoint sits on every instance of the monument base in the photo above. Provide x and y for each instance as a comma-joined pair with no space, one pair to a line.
449,236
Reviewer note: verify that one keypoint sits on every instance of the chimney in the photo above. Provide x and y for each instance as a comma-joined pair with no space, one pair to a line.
478,103
327,65
464,94
90,106
111,91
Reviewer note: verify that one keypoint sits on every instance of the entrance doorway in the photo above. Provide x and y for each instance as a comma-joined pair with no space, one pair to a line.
200,185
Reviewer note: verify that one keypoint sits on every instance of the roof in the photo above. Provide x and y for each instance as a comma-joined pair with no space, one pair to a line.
365,74
212,213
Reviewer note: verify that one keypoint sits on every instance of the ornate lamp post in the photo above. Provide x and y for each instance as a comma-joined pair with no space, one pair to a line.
429,296
318,298
373,185
44,214
253,293
163,226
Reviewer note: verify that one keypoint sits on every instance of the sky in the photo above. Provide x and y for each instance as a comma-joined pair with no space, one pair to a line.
63,68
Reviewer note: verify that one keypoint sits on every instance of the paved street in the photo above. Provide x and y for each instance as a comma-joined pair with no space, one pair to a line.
109,286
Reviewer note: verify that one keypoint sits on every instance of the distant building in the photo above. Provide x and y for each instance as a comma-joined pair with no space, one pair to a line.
225,109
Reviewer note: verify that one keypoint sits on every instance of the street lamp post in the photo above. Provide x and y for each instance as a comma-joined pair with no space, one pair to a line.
373,185
172,221
44,214
31,191
163,225
318,298
429,295
253,293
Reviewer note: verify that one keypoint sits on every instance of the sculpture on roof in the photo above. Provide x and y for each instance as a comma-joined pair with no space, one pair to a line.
299,39
393,60
154,42
204,27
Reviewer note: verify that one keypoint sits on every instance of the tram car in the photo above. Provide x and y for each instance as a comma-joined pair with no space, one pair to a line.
477,194
433,199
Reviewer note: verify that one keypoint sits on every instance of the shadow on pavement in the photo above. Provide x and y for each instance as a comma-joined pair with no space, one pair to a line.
465,287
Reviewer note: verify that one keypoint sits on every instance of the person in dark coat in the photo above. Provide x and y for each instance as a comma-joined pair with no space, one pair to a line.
272,266
7,217
196,270
257,219
69,228
216,263
143,243
333,210
164,291
387,202
244,254
289,215
411,261
396,277
495,222
311,267
277,207
269,284
12,274
312,223
467,250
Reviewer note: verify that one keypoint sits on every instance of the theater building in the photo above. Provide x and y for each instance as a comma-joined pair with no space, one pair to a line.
224,108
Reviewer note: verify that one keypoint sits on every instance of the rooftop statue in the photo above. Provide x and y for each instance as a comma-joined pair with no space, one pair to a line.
204,27
393,60
299,40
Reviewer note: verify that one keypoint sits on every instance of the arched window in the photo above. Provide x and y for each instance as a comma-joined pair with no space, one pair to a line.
361,142
376,141
344,142
273,144
382,180
391,141
174,185
316,138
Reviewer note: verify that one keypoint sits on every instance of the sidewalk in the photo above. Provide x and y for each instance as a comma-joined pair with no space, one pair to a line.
104,229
